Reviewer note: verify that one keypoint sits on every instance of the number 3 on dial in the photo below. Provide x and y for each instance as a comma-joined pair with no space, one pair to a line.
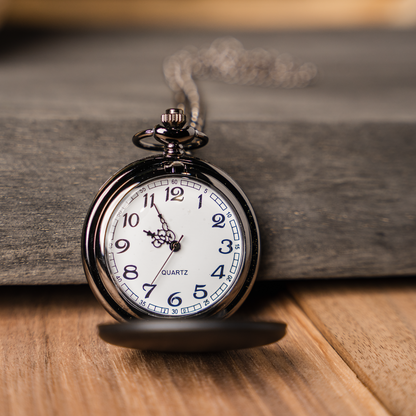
229,246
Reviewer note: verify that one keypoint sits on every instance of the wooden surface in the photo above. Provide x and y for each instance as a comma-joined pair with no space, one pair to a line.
53,363
330,169
213,14
331,201
372,326
365,76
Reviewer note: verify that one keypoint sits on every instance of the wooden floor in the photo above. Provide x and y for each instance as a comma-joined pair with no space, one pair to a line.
349,350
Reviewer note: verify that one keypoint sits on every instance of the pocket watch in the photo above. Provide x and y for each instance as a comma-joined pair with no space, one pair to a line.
171,236
174,238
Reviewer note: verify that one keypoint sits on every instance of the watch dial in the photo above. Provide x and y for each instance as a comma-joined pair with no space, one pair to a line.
174,246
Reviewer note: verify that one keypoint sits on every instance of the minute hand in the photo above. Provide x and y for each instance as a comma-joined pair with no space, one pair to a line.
163,221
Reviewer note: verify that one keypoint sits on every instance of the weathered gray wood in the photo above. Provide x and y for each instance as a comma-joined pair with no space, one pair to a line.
364,76
330,172
332,200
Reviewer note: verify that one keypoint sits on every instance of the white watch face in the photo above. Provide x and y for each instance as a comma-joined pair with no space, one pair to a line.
174,246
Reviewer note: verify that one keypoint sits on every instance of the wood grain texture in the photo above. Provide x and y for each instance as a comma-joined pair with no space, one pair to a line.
337,184
53,363
372,326
365,76
331,200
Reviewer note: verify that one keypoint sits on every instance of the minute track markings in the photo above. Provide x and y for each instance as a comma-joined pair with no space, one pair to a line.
212,227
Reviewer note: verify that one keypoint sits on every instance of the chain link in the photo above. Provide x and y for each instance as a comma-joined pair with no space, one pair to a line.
226,60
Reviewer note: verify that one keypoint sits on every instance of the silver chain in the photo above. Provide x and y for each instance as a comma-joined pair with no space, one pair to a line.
226,60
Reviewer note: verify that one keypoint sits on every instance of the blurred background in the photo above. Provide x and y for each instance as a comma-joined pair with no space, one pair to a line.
103,58
210,14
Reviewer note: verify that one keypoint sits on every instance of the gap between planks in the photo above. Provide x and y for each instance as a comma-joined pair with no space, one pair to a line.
370,323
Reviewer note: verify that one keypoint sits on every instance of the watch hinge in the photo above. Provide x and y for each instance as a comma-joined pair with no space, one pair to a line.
175,167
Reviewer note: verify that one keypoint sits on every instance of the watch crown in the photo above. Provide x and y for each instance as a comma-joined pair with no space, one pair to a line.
173,118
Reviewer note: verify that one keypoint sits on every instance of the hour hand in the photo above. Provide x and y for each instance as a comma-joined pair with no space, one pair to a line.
157,241
161,236
149,233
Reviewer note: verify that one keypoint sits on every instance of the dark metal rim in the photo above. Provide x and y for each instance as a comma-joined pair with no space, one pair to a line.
92,253
192,335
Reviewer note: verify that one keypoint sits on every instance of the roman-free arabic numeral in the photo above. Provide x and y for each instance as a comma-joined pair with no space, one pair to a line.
130,272
122,245
218,272
218,221
152,200
174,300
229,246
199,292
146,285
132,220
176,192
200,201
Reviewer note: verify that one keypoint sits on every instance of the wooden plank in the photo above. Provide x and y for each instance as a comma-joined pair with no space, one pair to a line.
372,326
53,363
332,200
364,76
334,192
217,14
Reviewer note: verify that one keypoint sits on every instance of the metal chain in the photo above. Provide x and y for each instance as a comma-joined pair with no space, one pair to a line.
226,60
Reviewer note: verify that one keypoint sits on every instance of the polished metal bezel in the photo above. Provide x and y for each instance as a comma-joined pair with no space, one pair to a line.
114,190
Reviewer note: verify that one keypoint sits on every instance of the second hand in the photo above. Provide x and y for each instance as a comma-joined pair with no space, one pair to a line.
170,255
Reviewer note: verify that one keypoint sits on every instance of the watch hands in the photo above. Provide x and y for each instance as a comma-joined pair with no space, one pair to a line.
174,246
162,236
